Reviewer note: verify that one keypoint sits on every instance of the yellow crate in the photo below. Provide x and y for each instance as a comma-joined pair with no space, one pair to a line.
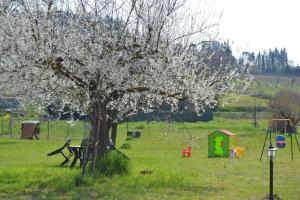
239,151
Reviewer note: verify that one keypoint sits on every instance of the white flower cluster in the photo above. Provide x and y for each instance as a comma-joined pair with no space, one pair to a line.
125,57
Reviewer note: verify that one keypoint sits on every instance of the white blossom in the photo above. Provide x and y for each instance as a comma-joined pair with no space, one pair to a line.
122,56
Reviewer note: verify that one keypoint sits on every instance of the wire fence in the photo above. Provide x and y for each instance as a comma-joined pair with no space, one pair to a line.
50,129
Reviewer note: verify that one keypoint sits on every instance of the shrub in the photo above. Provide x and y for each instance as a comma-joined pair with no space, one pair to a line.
125,146
140,126
79,180
113,163
129,138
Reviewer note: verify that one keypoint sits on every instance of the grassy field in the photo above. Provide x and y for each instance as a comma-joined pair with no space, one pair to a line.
27,173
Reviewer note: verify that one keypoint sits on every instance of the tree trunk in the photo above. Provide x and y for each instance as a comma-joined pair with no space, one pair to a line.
100,136
109,126
101,125
103,138
114,131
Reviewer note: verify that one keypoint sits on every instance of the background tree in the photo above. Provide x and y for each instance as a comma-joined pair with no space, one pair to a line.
273,61
110,58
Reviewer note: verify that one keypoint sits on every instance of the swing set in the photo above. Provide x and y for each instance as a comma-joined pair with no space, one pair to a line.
280,127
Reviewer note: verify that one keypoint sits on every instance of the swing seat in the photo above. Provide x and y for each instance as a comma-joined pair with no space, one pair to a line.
280,141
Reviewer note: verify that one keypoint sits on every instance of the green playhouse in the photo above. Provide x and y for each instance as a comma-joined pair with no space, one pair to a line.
219,143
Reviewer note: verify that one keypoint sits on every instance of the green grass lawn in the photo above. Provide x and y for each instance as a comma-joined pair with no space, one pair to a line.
27,173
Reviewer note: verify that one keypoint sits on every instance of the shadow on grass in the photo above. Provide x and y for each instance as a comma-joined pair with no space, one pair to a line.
7,142
276,197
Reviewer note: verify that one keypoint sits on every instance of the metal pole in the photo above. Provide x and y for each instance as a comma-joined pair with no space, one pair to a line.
48,133
271,179
263,148
292,146
271,137
2,127
67,130
127,126
254,114
297,141
10,126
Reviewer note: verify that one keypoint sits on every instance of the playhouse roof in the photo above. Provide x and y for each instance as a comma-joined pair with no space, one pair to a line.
31,122
224,131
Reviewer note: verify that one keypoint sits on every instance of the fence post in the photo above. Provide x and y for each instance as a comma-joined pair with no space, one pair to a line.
10,126
48,134
2,127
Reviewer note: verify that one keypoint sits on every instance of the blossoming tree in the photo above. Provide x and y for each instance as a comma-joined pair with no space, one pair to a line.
110,58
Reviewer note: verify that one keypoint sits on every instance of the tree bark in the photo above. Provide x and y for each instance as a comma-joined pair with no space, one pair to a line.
100,136
114,132
109,126
103,138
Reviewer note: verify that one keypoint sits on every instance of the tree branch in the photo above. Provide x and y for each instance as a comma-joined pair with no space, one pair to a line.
58,67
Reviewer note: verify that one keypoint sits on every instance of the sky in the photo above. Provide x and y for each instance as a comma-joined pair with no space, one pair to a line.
255,25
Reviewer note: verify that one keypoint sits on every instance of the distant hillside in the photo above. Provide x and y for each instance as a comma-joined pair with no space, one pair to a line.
266,86
260,92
